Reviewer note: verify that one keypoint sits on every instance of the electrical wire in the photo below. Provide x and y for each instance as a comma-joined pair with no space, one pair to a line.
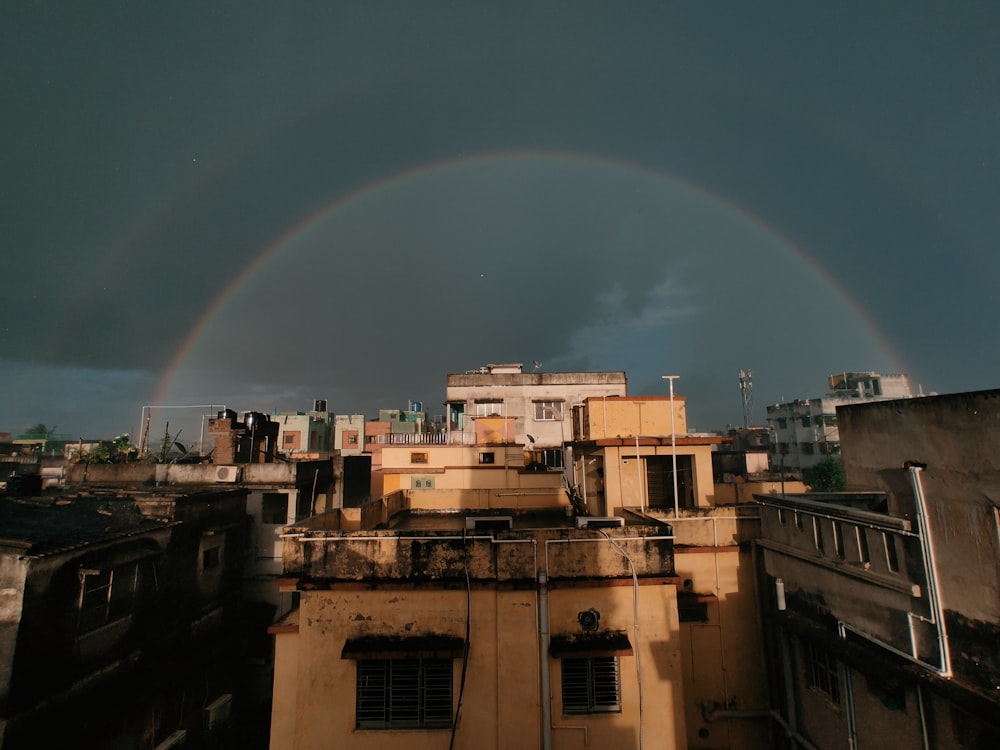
635,625
465,648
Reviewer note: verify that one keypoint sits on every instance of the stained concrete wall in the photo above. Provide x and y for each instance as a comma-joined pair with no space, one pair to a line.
958,438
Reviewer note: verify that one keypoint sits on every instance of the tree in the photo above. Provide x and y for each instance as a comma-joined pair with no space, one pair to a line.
826,476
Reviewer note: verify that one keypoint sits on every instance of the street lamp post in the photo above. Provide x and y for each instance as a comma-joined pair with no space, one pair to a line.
673,441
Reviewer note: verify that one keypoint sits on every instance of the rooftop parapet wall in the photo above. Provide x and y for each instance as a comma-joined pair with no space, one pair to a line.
447,558
537,379
136,475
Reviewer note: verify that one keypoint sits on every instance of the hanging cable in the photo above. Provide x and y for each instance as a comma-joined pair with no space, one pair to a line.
465,647
635,624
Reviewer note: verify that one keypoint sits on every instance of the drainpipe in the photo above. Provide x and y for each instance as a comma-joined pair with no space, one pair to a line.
852,719
543,642
930,567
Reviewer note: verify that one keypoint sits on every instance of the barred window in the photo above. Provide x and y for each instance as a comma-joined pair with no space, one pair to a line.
822,672
404,693
591,685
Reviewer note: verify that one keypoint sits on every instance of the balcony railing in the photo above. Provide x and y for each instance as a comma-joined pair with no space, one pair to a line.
427,438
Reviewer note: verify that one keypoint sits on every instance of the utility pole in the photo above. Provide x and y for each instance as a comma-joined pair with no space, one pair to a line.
673,441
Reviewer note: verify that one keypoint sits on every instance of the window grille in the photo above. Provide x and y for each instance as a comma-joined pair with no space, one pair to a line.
404,693
591,685
822,672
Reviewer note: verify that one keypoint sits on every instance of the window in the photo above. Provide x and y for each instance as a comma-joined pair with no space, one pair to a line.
487,457
782,423
807,448
352,438
805,421
210,558
863,554
552,458
817,534
418,458
591,685
822,672
274,508
548,411
404,693
489,408
422,483
838,539
891,561
106,596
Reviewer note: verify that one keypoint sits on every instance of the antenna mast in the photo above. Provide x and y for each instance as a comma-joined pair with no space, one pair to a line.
746,392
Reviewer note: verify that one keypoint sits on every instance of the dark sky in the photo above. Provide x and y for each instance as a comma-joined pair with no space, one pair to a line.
258,204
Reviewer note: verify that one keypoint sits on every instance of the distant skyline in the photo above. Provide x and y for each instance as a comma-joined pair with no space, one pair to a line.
259,206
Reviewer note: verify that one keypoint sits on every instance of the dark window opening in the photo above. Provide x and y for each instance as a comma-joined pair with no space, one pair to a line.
274,508
822,672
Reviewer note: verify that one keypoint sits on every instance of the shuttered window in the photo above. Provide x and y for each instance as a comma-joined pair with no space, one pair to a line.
591,685
404,693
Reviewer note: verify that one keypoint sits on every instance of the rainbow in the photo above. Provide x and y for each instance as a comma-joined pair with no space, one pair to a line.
317,218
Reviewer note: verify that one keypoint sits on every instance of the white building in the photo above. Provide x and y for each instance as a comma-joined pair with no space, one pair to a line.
540,403
806,430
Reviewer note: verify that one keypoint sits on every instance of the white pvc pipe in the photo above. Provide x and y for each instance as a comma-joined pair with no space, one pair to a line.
543,658
930,566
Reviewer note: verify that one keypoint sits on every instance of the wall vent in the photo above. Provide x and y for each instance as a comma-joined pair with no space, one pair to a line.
227,474
488,523
218,711
599,522
174,740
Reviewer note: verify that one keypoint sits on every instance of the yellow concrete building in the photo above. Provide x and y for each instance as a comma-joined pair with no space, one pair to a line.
624,453
481,603
478,611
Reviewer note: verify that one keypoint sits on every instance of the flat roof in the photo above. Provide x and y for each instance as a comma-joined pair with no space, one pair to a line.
46,526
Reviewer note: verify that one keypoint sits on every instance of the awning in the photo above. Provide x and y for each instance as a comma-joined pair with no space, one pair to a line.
582,645
399,647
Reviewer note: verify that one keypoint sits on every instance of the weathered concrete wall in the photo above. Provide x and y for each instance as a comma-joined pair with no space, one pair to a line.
442,556
958,438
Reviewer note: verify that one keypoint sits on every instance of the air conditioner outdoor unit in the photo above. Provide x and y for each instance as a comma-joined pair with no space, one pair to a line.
227,474
174,740
218,711
599,522
488,523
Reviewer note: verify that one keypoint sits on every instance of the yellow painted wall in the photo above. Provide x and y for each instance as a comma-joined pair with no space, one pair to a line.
501,705
630,416
723,662
623,482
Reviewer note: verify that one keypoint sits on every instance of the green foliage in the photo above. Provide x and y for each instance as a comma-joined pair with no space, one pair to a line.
96,455
826,476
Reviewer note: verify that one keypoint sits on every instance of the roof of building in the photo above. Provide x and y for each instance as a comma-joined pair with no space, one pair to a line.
46,526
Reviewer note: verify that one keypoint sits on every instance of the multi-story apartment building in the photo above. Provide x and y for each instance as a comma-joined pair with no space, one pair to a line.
624,453
116,617
806,430
883,604
540,403
481,615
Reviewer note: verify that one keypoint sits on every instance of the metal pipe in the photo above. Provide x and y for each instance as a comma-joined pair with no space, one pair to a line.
930,567
673,441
